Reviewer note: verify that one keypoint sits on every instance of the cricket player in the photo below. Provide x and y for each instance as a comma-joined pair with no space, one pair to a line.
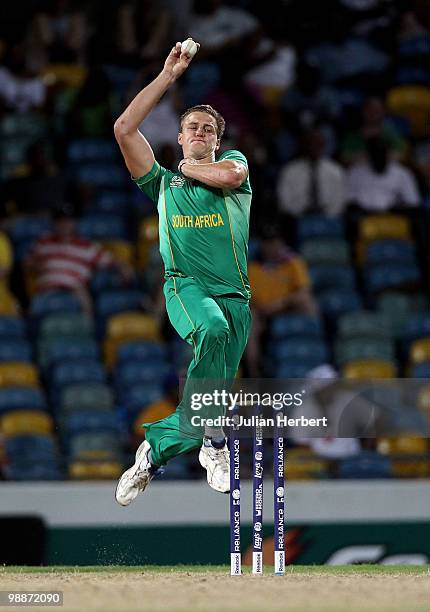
203,211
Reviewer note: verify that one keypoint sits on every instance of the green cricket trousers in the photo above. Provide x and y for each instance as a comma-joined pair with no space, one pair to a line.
218,329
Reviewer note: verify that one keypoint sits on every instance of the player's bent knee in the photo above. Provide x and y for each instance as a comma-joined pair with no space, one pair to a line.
217,330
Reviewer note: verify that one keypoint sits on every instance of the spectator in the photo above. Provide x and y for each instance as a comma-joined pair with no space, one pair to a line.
63,260
373,125
20,89
8,303
379,184
92,112
313,182
279,283
40,186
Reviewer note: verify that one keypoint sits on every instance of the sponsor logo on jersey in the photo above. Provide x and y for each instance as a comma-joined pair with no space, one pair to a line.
177,181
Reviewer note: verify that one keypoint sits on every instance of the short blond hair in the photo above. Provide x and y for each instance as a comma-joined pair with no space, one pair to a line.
206,108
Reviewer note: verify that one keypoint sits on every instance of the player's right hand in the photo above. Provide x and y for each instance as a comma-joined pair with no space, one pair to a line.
176,62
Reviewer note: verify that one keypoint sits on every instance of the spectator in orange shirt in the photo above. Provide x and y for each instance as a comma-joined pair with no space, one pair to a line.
279,283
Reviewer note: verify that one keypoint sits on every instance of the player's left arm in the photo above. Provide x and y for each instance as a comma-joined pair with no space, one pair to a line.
224,174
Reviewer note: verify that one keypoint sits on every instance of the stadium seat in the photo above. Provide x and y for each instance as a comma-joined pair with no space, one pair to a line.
319,226
417,326
309,351
318,251
384,226
368,369
303,464
76,371
399,251
52,351
12,398
147,237
409,445
292,325
17,374
101,227
127,327
423,400
107,279
12,327
419,351
91,149
421,370
112,202
354,349
15,350
29,229
137,396
113,302
392,276
95,470
366,465
135,372
141,350
54,302
86,396
81,421
336,302
22,422
95,445
104,175
67,74
66,324
122,250
291,370
328,276
412,102
364,323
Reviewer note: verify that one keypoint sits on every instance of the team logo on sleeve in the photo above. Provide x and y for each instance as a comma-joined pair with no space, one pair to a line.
177,181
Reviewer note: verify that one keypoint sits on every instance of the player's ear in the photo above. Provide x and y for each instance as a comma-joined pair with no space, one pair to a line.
218,144
180,138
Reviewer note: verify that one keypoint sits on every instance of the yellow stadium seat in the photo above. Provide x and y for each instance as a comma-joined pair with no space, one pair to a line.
71,75
9,306
21,422
121,250
126,327
424,399
420,351
381,227
410,468
403,445
98,470
369,368
303,464
16,373
413,103
147,237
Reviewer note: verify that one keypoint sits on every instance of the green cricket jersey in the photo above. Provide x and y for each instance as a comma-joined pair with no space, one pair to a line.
203,230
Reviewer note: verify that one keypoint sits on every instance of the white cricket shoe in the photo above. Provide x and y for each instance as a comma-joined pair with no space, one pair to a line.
135,479
216,462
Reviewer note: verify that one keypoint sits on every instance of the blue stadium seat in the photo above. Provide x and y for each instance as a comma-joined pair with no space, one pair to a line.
120,300
15,350
418,326
54,301
336,302
382,251
106,279
31,449
102,175
112,203
13,398
33,472
391,276
12,327
415,47
327,276
54,351
91,149
136,397
368,464
28,229
139,350
319,226
134,372
76,371
292,370
290,325
103,227
306,350
421,370
82,421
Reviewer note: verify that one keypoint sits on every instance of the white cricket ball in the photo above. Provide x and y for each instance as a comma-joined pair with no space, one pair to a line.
189,47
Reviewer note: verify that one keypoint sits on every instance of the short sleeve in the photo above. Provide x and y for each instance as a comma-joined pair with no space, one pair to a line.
239,157
150,183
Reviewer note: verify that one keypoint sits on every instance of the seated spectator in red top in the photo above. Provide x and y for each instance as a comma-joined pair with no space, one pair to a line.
64,260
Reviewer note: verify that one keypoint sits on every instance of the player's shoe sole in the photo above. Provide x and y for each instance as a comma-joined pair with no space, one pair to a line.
135,479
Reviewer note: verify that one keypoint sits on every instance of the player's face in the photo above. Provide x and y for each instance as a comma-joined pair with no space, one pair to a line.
199,135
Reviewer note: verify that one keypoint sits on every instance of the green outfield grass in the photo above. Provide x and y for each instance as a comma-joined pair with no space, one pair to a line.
202,569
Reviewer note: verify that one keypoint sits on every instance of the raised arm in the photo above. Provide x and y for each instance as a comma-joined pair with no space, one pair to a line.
137,151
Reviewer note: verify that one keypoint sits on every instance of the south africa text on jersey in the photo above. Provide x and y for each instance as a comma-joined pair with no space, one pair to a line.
197,221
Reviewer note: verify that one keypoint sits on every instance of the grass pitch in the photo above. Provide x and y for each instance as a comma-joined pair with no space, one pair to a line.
200,588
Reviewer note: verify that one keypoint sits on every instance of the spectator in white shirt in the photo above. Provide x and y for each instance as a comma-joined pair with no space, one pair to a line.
312,183
379,184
